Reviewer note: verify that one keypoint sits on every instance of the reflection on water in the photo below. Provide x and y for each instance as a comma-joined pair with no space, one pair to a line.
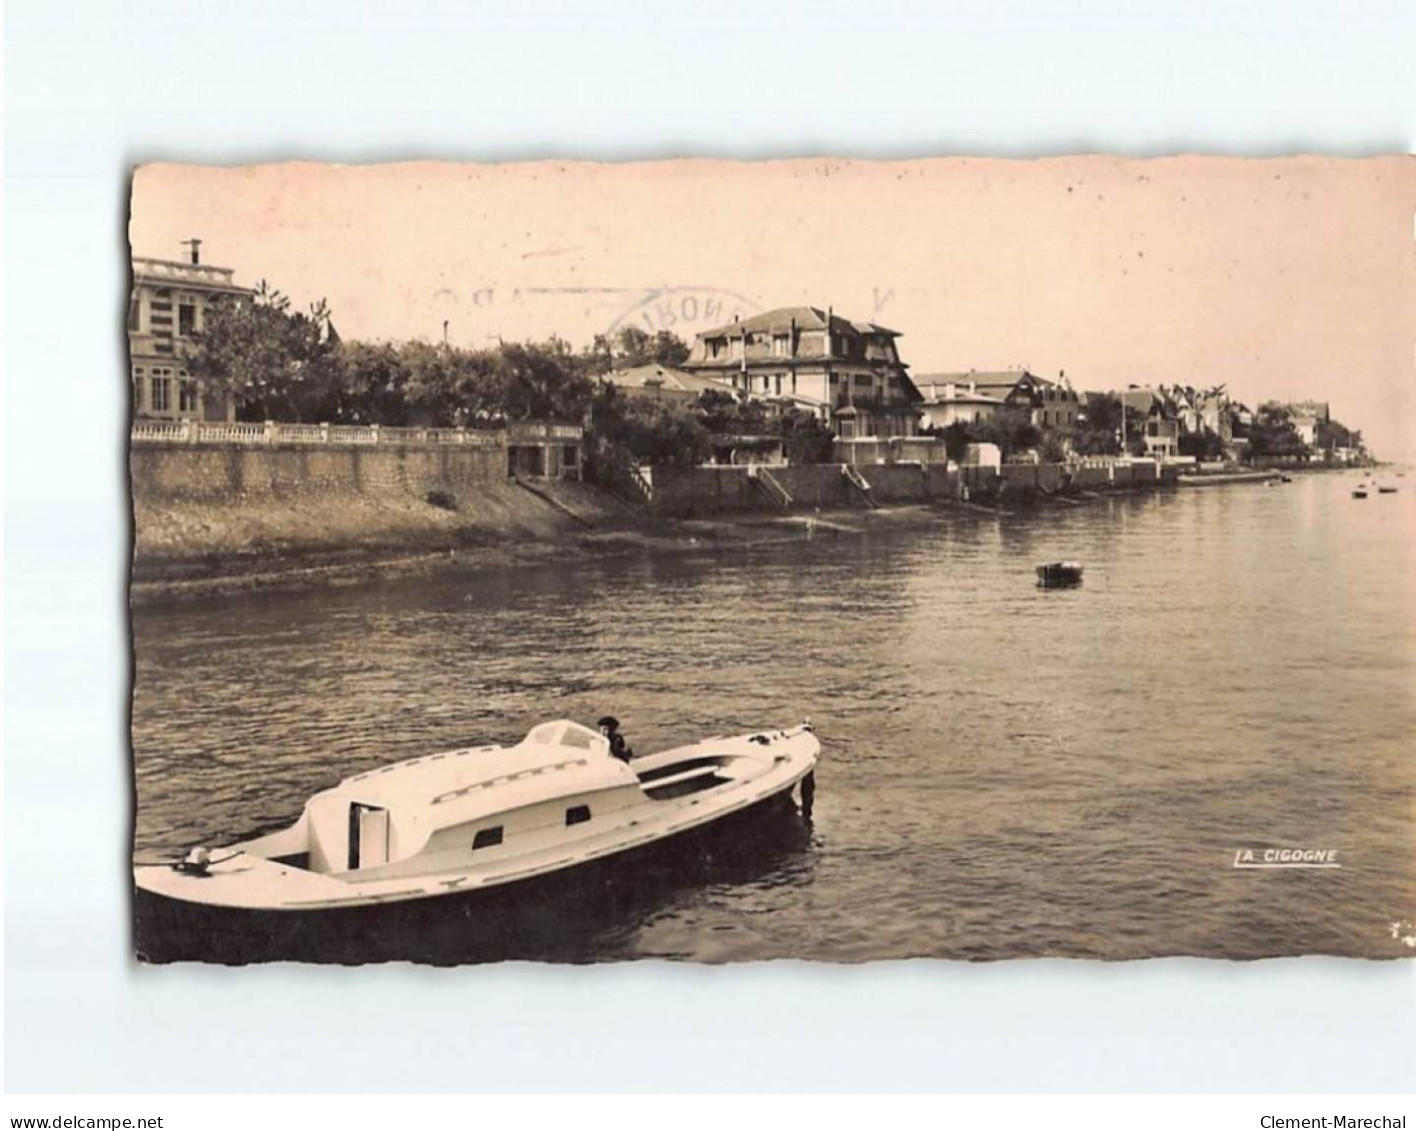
1006,770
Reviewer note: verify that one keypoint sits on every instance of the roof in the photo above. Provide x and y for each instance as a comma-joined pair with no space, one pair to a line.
665,377
787,398
555,759
1008,377
1139,399
193,276
1318,410
964,397
805,317
1000,382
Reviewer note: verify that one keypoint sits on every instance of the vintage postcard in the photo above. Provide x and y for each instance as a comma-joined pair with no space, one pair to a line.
814,559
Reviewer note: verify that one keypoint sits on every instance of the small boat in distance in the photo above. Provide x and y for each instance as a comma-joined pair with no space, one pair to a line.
1386,490
1359,493
1055,575
470,820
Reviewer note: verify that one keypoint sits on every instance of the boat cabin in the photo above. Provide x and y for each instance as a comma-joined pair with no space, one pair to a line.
443,810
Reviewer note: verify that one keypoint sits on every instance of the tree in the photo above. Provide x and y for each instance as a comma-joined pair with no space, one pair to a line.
274,364
545,381
631,346
670,349
1273,436
625,431
1052,449
725,413
805,439
955,437
1010,429
1203,445
449,388
372,386
1333,434
1098,426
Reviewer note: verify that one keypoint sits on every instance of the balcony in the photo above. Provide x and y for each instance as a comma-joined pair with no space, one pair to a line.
168,272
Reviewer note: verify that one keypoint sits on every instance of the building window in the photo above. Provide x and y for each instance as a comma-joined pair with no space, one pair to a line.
135,313
161,391
577,814
186,319
487,838
186,395
780,345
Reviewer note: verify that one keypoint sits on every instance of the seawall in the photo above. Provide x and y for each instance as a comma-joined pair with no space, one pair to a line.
703,492
221,510
209,514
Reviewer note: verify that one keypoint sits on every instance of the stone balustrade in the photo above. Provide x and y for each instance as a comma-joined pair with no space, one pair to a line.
273,434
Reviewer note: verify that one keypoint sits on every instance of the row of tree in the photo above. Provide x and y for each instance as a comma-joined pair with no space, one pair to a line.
276,363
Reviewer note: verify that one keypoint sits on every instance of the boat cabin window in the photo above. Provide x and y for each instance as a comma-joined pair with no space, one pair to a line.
567,735
486,838
577,814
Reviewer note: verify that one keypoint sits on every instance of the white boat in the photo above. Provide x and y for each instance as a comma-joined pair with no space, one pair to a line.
485,818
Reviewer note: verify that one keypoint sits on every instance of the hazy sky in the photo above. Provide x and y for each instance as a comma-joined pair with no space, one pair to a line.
1284,278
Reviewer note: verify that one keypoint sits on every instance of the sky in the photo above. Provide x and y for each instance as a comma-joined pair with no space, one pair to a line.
1289,278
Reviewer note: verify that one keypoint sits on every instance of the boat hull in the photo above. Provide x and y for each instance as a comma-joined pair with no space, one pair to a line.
560,916
1059,575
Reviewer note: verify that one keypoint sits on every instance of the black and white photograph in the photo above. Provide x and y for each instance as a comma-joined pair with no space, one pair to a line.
828,560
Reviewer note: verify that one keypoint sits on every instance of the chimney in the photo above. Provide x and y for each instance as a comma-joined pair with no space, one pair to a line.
196,246
830,338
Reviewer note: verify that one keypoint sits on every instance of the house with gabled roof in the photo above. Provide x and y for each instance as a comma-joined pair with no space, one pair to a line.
1048,404
947,401
1308,417
1152,414
848,372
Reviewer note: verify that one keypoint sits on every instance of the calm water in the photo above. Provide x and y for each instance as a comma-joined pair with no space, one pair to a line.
1006,771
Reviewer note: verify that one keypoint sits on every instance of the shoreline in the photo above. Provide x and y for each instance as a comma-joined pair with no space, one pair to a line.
161,580
1215,479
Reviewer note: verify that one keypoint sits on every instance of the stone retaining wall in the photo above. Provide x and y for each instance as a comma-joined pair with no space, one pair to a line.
230,473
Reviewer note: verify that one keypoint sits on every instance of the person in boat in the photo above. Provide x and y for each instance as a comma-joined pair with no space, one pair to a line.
609,727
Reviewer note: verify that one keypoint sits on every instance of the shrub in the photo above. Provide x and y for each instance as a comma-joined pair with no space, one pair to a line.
444,499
